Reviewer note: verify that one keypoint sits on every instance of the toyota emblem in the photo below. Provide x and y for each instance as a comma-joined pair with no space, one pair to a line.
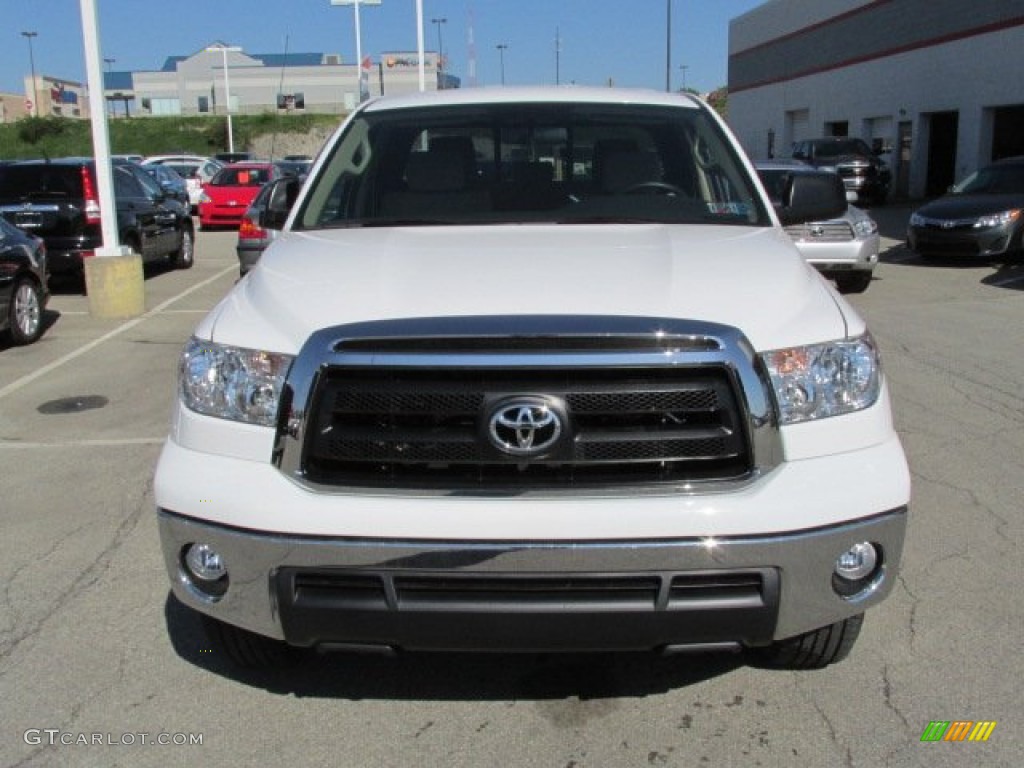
524,427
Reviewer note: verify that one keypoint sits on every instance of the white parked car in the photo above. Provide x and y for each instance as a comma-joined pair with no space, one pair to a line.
844,249
534,369
195,169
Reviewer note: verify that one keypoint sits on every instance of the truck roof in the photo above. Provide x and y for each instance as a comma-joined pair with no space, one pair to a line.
534,94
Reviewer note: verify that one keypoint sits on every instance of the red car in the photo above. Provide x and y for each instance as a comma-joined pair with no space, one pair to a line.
226,196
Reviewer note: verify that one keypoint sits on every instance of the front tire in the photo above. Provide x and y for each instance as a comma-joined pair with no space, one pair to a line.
247,649
25,315
815,649
855,282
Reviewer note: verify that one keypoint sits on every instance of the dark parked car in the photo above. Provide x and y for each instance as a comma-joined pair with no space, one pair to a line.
259,226
298,168
23,284
234,157
58,200
982,216
170,182
864,173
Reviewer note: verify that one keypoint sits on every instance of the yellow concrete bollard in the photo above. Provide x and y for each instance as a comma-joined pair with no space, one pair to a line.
115,286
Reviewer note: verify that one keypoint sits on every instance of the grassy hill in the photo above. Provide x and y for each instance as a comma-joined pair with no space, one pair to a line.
57,137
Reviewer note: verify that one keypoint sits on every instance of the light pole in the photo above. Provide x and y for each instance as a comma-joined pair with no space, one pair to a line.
683,68
502,47
32,64
668,45
227,88
363,94
440,51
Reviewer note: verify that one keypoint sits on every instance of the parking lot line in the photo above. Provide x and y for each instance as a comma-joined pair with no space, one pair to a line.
112,442
17,384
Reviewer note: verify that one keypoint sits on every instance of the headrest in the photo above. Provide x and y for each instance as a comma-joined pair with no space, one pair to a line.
439,170
626,169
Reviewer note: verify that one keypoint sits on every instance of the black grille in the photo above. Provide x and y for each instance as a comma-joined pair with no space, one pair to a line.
417,428
525,611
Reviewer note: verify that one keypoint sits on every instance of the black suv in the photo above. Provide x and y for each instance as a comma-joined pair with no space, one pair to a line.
58,201
863,172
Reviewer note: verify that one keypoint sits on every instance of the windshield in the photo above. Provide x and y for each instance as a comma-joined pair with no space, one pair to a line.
241,177
501,163
841,148
993,180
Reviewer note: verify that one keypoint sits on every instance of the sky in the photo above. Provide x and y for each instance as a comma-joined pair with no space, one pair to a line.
622,41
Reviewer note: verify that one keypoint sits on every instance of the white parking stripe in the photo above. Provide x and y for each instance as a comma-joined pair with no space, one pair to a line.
116,441
17,384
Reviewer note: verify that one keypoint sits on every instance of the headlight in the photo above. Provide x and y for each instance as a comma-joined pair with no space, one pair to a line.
997,219
865,227
231,382
916,220
822,380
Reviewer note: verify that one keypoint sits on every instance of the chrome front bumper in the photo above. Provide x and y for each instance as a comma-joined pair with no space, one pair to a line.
797,569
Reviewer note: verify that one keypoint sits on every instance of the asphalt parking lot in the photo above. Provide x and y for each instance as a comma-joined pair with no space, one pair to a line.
99,664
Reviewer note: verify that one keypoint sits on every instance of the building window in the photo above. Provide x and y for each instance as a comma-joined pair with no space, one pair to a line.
165,106
204,104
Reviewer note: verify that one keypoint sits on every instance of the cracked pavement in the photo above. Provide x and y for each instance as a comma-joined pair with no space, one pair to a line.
90,642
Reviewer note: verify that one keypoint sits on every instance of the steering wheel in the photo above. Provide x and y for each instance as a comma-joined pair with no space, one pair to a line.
654,186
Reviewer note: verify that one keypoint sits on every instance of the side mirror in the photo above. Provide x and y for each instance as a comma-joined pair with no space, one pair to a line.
279,202
812,196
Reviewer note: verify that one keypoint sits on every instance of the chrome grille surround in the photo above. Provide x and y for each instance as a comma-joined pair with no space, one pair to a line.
519,346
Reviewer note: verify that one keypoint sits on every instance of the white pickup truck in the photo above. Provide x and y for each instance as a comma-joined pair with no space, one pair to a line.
534,370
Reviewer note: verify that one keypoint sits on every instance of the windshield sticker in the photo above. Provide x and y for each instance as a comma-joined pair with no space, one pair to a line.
729,209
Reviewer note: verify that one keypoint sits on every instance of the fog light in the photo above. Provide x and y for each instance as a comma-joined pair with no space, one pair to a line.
204,562
205,569
858,571
857,562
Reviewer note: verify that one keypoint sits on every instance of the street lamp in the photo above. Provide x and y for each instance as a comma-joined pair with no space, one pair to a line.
440,50
502,47
683,68
668,45
227,88
32,63
363,90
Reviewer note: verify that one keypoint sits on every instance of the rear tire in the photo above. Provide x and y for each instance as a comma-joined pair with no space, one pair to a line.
184,257
25,314
815,649
855,282
248,649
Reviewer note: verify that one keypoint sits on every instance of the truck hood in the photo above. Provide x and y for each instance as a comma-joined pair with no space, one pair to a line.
752,279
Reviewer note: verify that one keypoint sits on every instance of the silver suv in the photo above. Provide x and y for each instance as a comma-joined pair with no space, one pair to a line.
844,249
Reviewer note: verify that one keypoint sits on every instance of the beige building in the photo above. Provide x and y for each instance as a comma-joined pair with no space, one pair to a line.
313,82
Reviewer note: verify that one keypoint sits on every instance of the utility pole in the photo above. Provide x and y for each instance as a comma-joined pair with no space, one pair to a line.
558,54
108,62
